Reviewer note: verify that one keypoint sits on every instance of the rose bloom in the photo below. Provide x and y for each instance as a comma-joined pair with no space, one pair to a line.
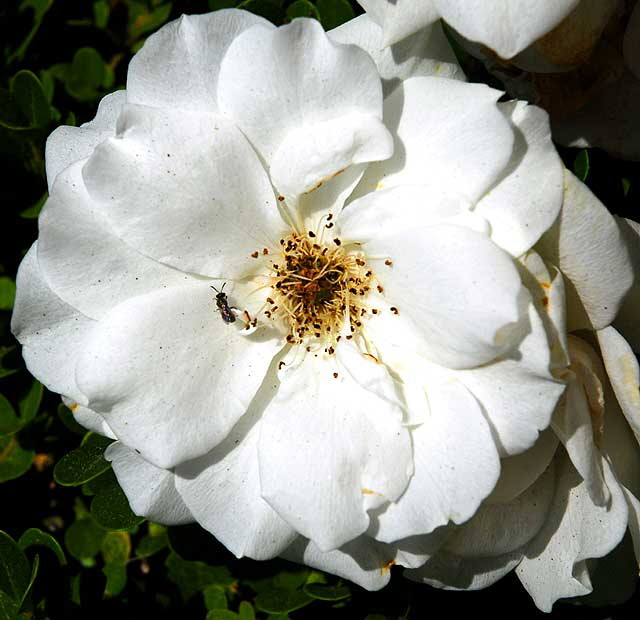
359,371
561,510
578,59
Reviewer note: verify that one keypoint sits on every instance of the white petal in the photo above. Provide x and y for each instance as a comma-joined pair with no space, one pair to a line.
627,319
322,467
400,18
363,560
84,261
450,572
185,189
151,491
426,52
634,520
498,529
300,84
519,472
576,530
312,154
51,332
169,376
88,418
67,145
446,132
587,246
222,490
572,425
459,297
609,120
456,466
623,372
506,26
178,66
518,392
519,207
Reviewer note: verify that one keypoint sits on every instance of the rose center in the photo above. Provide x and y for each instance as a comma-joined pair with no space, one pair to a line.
317,288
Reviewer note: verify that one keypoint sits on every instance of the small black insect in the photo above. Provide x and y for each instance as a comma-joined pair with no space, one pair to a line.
223,305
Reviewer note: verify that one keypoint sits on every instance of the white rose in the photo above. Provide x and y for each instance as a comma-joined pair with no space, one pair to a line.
359,372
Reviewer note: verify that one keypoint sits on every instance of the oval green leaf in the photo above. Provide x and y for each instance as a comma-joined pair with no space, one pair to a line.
9,422
84,538
279,601
110,508
14,459
84,463
31,98
302,8
334,12
15,572
325,592
34,537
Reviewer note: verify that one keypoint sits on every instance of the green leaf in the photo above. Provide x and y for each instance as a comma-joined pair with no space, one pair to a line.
334,12
33,537
83,463
152,543
40,7
28,93
34,573
86,74
141,20
116,547
280,601
83,539
8,607
626,186
69,421
14,459
9,361
215,597
101,14
246,612
269,9
32,212
9,421
193,577
327,593
15,571
222,614
116,575
302,8
29,404
7,293
110,508
581,165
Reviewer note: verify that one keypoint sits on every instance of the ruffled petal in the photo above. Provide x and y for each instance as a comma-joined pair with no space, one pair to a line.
316,107
498,529
89,419
586,244
626,321
400,18
51,332
185,189
576,530
178,67
623,372
519,207
84,261
322,467
363,560
456,466
506,26
446,132
425,53
222,489
67,145
151,491
169,376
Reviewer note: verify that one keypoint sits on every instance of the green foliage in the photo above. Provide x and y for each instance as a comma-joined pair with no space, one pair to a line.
581,165
84,463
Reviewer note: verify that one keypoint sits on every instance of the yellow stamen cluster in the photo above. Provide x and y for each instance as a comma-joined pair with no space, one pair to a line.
316,287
